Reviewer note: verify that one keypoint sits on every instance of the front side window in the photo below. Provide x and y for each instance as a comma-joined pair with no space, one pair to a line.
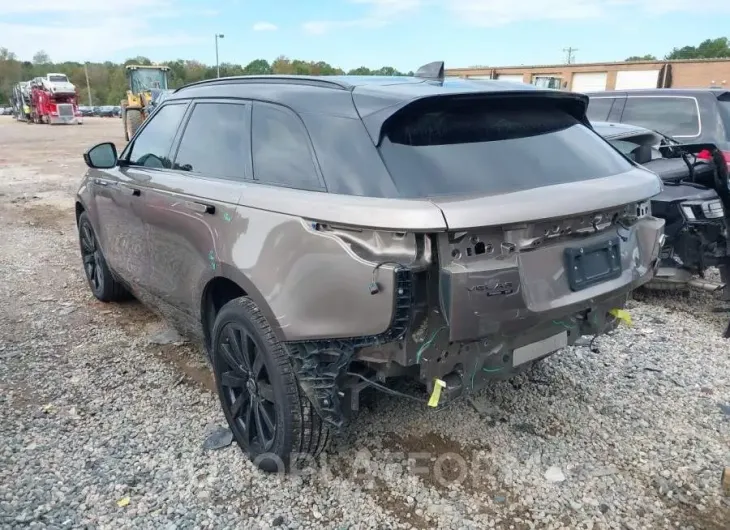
492,148
152,146
216,141
673,116
281,149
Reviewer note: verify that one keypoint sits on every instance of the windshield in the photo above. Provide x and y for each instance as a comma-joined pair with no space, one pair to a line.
502,147
146,79
58,79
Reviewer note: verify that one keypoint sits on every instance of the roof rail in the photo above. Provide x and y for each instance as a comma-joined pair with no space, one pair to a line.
433,71
286,79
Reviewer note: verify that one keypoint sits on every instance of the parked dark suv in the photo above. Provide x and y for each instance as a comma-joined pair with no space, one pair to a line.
324,234
697,115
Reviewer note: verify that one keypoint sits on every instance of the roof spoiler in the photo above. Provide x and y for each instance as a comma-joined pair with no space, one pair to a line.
433,71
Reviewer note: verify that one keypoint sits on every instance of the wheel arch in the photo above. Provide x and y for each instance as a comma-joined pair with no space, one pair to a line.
225,285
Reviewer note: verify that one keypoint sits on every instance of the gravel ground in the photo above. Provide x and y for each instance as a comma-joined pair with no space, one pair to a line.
95,413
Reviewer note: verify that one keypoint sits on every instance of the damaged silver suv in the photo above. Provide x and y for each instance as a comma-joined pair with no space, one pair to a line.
321,235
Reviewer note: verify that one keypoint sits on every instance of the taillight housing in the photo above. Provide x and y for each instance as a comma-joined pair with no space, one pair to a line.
706,155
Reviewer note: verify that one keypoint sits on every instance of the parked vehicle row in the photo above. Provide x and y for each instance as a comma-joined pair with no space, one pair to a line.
324,235
105,111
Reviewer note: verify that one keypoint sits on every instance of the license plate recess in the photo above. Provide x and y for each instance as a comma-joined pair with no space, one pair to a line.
589,265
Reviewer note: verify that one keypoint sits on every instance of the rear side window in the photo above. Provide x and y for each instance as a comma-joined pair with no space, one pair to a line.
673,116
599,108
152,146
216,141
724,103
500,147
281,149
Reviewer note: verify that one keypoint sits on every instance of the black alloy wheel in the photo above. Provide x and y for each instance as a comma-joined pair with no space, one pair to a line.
246,389
102,283
271,419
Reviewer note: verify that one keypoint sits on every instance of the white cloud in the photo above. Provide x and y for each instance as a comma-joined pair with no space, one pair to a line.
83,30
489,13
379,13
96,41
8,7
264,26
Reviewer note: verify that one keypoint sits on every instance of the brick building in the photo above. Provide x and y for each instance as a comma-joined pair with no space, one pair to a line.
590,77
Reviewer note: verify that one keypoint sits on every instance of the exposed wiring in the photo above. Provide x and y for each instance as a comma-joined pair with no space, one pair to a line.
387,390
603,329
374,287
427,344
492,370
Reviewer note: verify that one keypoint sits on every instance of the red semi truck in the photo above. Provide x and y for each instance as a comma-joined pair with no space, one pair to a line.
54,100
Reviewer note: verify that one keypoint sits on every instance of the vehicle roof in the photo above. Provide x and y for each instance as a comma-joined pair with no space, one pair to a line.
407,85
375,98
716,91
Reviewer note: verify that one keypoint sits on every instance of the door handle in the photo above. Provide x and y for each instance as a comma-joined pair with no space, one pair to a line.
199,207
131,191
101,182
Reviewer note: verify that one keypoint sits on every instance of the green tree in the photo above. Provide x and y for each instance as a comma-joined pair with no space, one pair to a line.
258,67
708,49
41,57
647,57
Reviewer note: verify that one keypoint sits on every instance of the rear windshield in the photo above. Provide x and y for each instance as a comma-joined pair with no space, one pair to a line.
58,78
503,147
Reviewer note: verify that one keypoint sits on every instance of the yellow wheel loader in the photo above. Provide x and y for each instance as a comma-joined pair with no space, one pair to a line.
147,87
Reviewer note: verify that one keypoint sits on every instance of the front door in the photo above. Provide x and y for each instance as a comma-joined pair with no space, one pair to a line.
146,156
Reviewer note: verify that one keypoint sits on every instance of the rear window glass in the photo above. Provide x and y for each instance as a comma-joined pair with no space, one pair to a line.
673,116
500,148
599,108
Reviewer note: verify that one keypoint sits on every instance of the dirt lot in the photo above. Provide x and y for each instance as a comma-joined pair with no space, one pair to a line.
95,412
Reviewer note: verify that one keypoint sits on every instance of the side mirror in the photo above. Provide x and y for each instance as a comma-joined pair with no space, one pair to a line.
101,156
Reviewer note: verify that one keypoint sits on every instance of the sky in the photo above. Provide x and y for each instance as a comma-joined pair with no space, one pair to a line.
351,33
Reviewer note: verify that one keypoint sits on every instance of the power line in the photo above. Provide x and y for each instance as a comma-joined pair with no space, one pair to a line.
569,51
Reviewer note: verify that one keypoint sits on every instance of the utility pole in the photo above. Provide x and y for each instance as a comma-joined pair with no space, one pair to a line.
217,66
570,51
88,86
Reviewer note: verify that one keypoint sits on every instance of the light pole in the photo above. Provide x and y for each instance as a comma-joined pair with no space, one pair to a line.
217,66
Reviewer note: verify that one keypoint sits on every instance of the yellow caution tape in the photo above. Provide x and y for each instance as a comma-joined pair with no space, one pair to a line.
622,315
436,393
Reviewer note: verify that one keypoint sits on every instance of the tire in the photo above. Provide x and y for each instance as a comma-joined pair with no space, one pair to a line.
101,281
256,381
132,121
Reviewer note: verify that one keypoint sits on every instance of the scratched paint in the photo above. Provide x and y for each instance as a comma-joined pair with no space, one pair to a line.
211,259
227,217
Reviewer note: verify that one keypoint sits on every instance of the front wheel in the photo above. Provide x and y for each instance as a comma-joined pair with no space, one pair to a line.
271,419
102,283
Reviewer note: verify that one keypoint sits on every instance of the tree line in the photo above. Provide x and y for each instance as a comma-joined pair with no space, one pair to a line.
108,81
707,49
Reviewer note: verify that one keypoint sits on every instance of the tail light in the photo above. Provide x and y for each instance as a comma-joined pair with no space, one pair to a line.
706,155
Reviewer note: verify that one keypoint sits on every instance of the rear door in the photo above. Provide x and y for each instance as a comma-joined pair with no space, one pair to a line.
191,208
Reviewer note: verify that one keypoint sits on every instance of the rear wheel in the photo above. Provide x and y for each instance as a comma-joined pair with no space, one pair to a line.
102,283
132,120
271,419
